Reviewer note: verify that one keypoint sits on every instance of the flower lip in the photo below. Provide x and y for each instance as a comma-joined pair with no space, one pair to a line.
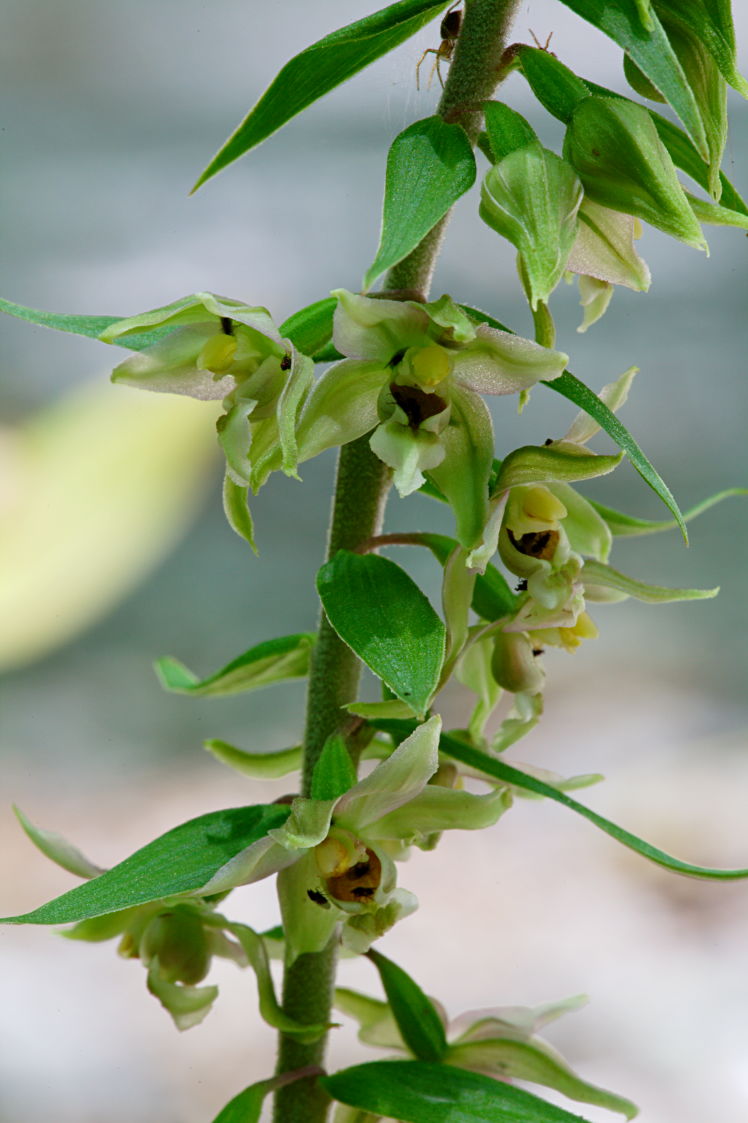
417,404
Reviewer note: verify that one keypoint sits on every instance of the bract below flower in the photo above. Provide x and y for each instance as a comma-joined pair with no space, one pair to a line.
415,374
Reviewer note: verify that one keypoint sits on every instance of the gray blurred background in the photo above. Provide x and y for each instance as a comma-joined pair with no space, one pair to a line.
108,114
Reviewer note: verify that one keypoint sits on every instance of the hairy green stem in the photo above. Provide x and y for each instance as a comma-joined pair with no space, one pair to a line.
360,492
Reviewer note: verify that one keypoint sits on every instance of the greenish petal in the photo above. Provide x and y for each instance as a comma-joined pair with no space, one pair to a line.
395,781
341,407
261,766
307,825
594,297
237,512
562,462
604,248
409,452
187,1005
365,328
586,529
441,809
463,475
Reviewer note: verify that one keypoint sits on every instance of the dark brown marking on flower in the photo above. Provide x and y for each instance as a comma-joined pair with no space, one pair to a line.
397,357
286,362
318,898
538,651
536,543
227,325
416,404
359,882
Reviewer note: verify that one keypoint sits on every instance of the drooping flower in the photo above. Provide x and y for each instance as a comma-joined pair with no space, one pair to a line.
415,374
215,348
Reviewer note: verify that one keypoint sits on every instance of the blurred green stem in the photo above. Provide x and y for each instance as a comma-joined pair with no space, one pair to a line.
358,506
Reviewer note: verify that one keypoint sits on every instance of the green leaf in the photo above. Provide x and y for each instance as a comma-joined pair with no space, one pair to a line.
627,526
181,861
275,660
380,612
89,326
419,1092
429,166
334,773
310,329
712,24
476,759
570,387
416,1016
507,130
652,53
320,68
247,1106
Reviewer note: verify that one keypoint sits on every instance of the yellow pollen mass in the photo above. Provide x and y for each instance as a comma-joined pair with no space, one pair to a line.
218,353
430,365
541,504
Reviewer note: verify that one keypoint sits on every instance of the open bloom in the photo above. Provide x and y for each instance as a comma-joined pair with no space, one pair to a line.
214,348
334,856
415,374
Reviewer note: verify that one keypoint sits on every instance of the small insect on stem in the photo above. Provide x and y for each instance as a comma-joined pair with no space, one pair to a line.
449,31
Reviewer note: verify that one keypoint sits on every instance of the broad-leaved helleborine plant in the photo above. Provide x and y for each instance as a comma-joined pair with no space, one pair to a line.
401,384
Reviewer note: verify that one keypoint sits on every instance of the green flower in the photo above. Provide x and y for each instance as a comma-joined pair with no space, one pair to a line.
415,373
215,348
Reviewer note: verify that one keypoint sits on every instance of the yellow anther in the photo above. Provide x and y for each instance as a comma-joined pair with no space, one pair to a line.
430,365
542,505
218,353
585,627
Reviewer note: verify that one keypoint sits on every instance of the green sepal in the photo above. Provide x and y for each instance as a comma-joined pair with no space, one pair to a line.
616,151
181,861
652,53
382,615
311,74
562,462
254,949
556,87
537,1062
600,580
416,1016
260,766
715,214
711,23
463,475
507,130
275,660
626,526
334,773
429,166
423,1092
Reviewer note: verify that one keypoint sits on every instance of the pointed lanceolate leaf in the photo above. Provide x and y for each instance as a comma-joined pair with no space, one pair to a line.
476,759
89,326
181,861
420,1092
261,766
380,612
598,576
652,53
711,23
246,1107
626,526
416,1016
429,166
334,773
570,387
319,69
275,660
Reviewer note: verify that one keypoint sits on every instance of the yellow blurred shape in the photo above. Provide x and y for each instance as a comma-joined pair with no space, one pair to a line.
93,491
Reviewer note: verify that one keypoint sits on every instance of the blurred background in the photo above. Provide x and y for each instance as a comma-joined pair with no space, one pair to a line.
113,551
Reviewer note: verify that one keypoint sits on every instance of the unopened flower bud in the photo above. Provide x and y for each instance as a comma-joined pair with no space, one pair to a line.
514,664
178,940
